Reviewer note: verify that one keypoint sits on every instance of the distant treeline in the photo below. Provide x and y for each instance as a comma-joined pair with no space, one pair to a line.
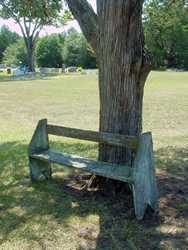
52,51
166,37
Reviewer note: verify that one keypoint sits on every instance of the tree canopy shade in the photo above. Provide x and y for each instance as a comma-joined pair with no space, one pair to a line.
116,34
31,16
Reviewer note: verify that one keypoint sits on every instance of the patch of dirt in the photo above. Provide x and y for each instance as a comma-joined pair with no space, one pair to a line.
173,195
166,230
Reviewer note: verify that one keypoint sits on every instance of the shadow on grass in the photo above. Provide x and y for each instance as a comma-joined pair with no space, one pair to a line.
33,211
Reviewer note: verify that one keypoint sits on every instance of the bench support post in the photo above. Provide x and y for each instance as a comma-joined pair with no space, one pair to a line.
144,187
39,170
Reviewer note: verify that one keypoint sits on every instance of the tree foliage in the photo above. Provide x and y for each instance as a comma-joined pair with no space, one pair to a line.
70,49
31,16
77,51
16,54
42,11
49,51
7,38
166,32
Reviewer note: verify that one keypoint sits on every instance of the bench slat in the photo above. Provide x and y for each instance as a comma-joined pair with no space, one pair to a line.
102,137
113,171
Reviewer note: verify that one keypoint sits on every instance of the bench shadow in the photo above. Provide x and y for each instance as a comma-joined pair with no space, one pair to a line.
112,225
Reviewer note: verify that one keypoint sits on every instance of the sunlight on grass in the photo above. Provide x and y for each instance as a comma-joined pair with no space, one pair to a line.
51,215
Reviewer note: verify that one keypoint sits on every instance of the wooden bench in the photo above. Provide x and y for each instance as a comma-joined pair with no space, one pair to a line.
141,175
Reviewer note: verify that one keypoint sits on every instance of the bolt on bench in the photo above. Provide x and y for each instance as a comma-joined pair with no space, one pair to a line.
141,175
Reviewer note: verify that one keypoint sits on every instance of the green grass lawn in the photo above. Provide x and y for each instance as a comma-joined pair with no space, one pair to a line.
54,215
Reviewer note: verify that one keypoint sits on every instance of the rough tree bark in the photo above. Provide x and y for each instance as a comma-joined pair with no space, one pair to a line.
116,35
30,46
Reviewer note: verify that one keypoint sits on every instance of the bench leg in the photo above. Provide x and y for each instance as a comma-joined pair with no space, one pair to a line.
144,187
39,170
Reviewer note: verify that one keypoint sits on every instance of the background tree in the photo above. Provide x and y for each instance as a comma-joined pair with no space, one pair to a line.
7,38
49,51
31,16
16,54
115,32
166,32
77,51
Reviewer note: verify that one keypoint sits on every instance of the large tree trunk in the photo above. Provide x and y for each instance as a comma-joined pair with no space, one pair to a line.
116,35
120,55
30,54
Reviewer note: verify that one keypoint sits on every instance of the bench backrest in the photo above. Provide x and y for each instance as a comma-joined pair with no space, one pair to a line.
102,137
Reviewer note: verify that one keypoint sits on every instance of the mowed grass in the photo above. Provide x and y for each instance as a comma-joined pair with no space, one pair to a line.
54,216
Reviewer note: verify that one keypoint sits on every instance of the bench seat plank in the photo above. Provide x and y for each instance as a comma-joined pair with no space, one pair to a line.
109,170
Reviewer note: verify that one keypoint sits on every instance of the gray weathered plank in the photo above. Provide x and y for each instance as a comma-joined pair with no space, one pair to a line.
113,171
144,187
39,170
39,141
108,138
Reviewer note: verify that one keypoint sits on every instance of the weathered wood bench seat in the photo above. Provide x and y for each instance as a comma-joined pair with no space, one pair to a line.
113,171
141,176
